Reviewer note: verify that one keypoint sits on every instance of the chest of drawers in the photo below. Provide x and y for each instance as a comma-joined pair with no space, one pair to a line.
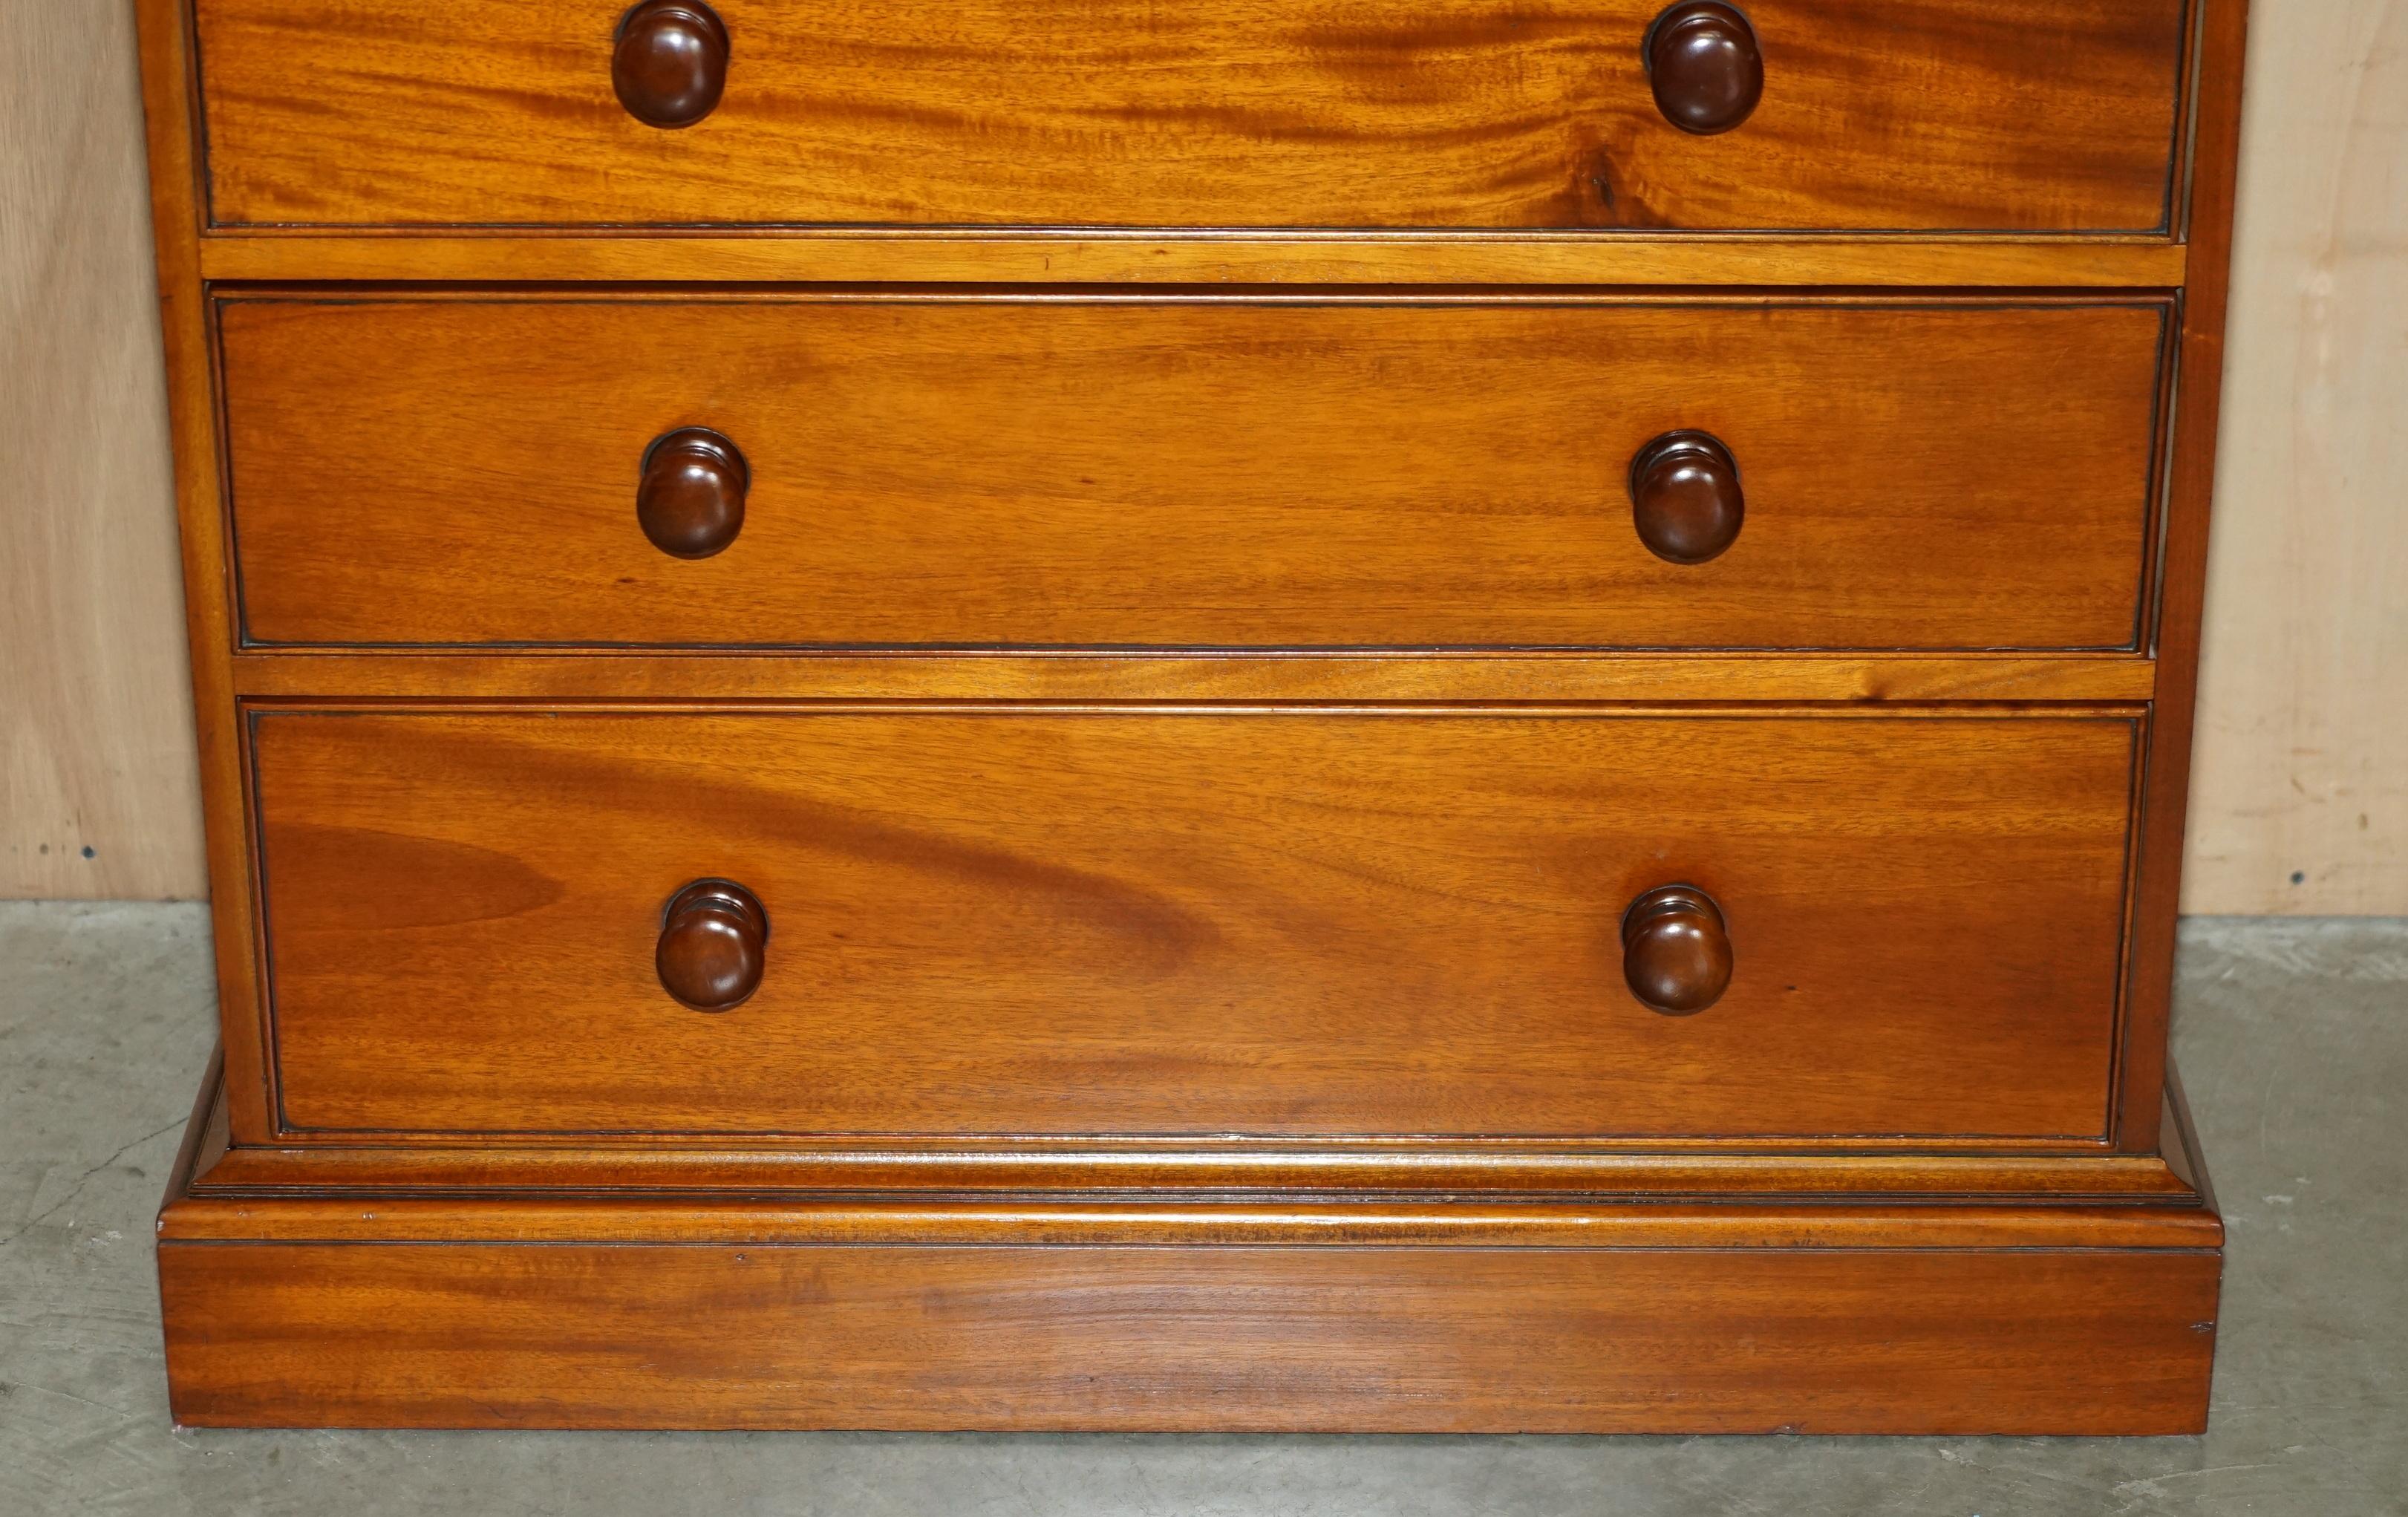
1284,714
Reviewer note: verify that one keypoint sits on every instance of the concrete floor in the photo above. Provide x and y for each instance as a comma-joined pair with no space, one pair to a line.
2293,1037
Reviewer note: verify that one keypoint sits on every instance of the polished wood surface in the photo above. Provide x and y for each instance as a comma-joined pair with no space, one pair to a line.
1194,922
1748,1221
170,106
1676,950
1978,115
2174,1216
1093,1191
1704,65
1205,257
2312,147
1091,470
692,1312
690,501
1499,675
713,937
1303,1338
669,64
2082,1189
1685,499
2183,582
755,1311
1639,1192
1301,838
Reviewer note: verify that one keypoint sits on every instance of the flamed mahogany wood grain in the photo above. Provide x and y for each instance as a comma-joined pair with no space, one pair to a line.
1312,1339
1741,1221
1499,1169
1197,258
1124,1063
1195,920
1497,674
2191,487
2090,1190
1057,1193
170,111
1441,1314
1219,472
1544,1191
1885,114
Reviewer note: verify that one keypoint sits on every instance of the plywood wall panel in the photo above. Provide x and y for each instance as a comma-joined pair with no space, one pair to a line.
101,795
2300,798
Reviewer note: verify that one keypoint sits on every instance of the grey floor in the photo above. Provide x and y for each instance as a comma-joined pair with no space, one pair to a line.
2293,1037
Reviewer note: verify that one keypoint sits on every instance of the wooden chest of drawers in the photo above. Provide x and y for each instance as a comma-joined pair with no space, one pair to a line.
1284,714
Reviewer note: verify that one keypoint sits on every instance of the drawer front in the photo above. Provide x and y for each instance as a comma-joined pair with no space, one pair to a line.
1191,921
1971,115
1081,471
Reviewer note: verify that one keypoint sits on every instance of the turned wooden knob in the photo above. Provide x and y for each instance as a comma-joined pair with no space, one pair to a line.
670,63
1676,954
713,933
691,500
1685,497
1706,68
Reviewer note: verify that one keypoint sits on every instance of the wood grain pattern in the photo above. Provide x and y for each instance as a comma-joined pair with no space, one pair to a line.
1743,1220
1192,922
1098,471
1497,674
2182,580
1587,1193
1121,1063
170,109
1428,1314
2300,799
1510,1172
1322,1338
2301,135
1885,114
1088,1191
930,256
98,792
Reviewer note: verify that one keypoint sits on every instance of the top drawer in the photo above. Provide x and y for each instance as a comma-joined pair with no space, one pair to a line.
1874,115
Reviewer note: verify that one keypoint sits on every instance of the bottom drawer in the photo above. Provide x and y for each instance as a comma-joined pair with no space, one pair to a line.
1187,922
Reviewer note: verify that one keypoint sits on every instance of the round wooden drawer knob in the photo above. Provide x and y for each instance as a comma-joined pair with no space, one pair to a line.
1676,954
1706,68
1685,497
670,63
691,500
713,936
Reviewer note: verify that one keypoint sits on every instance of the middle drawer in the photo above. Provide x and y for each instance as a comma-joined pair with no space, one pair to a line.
1077,470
